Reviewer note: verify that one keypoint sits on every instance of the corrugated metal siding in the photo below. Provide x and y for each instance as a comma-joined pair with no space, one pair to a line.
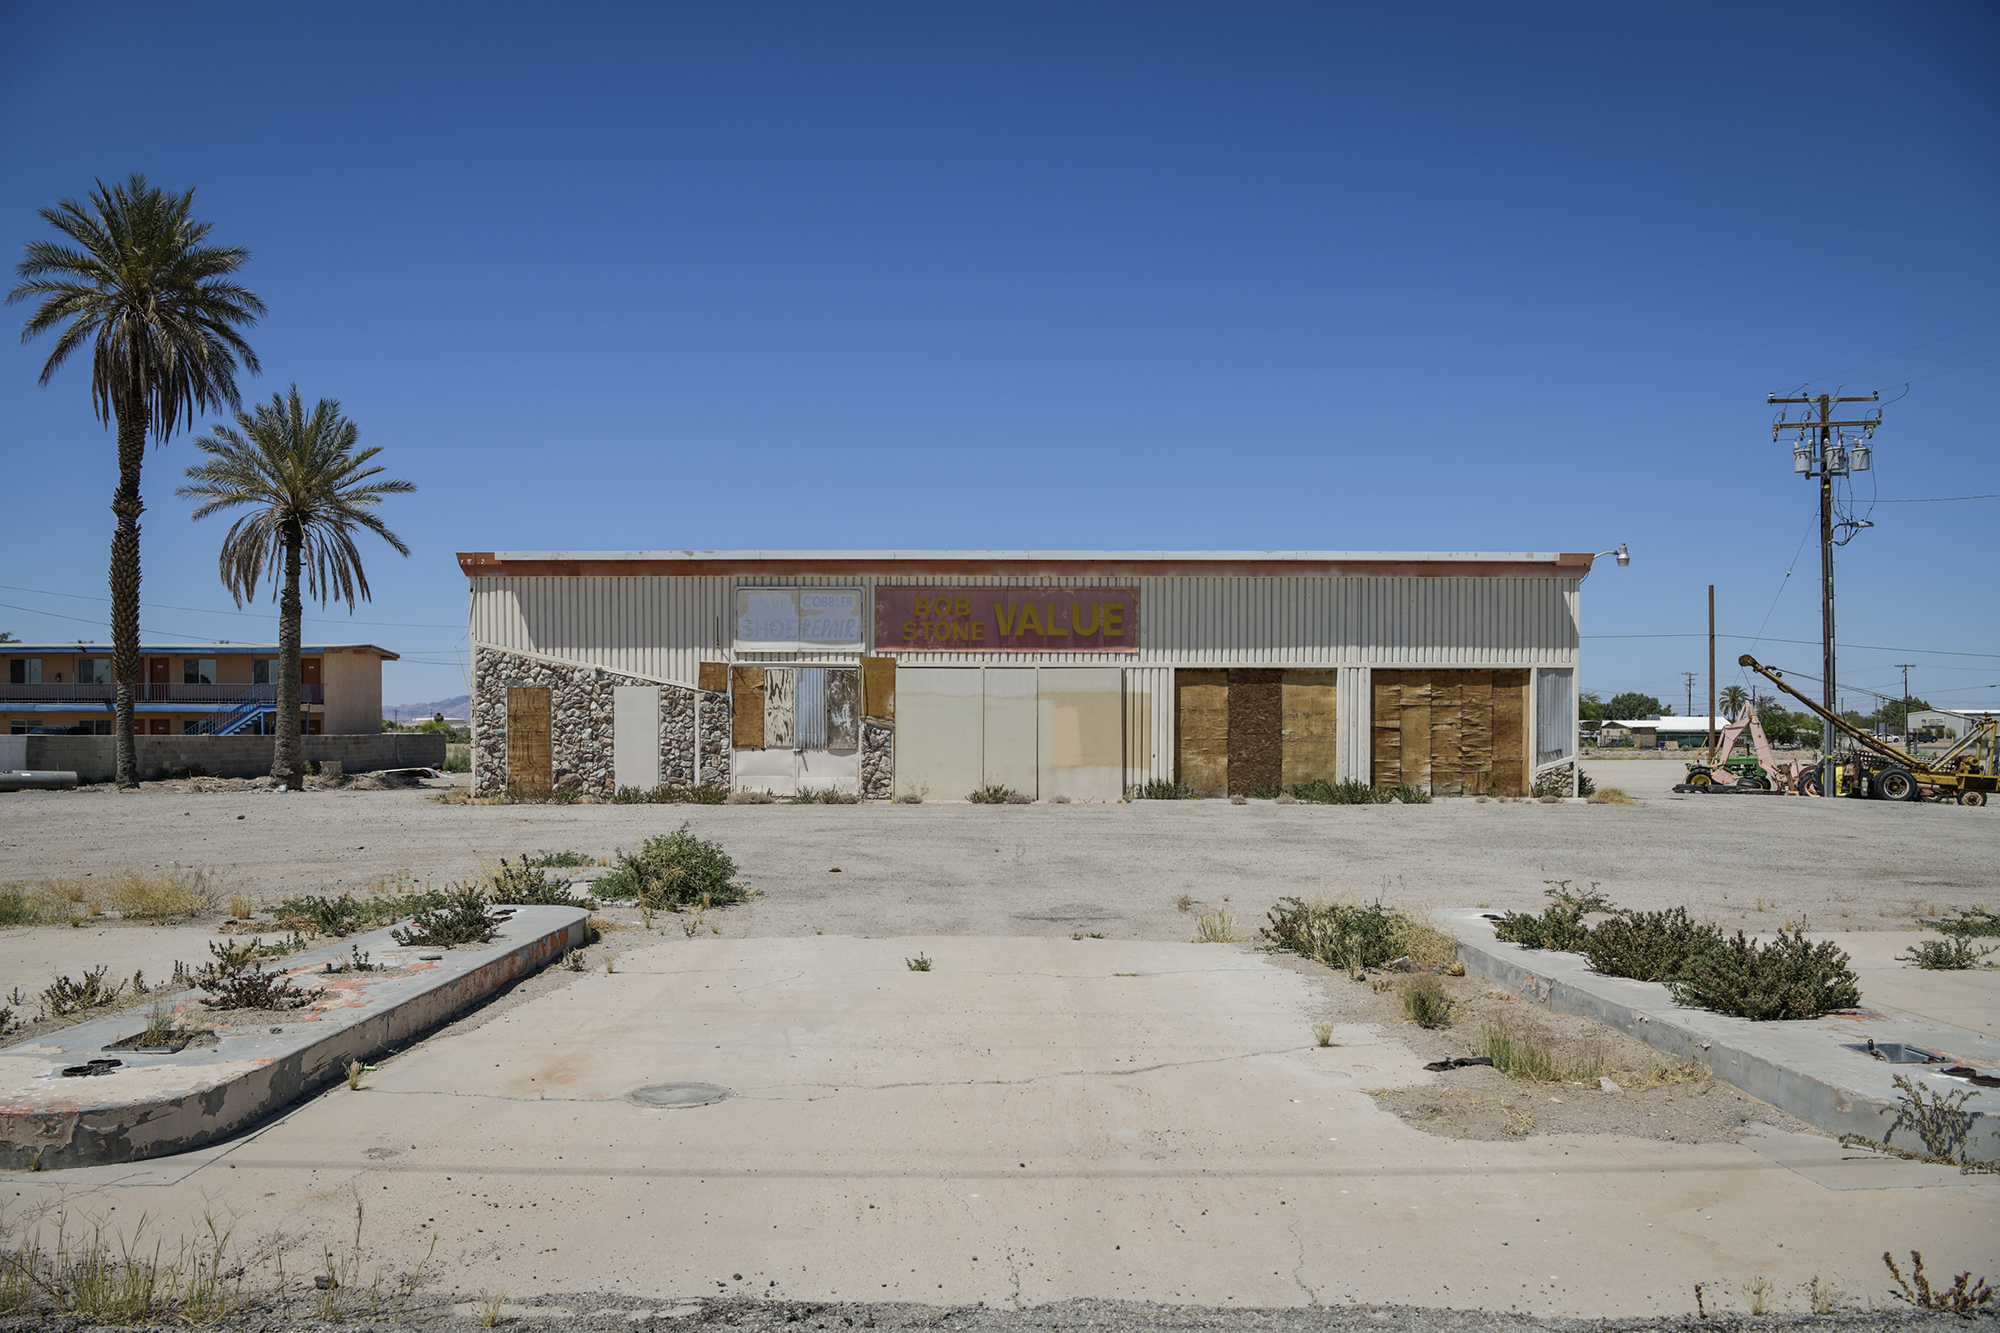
1149,725
1353,721
664,627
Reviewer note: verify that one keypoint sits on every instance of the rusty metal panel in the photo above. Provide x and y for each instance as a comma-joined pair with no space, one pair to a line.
878,687
780,703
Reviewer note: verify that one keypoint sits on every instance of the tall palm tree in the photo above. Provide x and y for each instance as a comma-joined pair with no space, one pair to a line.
161,313
310,490
1733,699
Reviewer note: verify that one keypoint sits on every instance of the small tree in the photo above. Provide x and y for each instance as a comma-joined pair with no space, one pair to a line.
306,483
1625,707
1590,707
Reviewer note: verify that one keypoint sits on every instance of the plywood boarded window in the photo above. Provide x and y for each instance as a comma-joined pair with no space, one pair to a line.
529,763
843,708
746,702
713,677
1201,708
1451,732
1308,739
1256,711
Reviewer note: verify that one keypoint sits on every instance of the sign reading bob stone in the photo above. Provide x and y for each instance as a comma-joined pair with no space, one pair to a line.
1007,620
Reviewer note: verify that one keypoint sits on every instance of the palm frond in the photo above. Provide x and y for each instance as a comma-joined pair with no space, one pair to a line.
302,476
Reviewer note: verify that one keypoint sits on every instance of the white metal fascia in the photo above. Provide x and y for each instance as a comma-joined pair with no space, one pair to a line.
1469,557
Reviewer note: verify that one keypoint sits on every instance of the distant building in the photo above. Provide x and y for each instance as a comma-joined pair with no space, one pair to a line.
1949,725
218,689
1658,733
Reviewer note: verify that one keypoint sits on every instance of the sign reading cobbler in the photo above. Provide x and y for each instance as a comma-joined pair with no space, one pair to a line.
1007,620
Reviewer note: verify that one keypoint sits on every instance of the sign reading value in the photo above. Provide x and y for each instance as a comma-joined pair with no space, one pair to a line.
1007,620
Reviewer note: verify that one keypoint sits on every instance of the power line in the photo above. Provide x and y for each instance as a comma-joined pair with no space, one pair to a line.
202,610
1937,499
1906,351
1955,369
1871,647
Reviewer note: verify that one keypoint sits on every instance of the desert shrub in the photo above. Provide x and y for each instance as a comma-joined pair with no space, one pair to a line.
665,795
254,988
1648,946
823,796
1348,935
1321,792
64,997
1790,977
1611,796
18,907
675,871
1971,923
1403,792
1159,789
1560,925
1426,1003
1947,955
1520,1052
159,897
458,758
751,798
1420,939
461,919
524,884
540,796
556,860
346,914
1217,927
993,793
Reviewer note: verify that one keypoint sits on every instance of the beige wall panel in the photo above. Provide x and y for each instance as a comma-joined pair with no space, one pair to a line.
1012,732
1082,733
940,718
774,771
635,736
353,684
1201,720
1310,731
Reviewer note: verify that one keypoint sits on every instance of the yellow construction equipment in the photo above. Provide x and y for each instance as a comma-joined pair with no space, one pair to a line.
1964,773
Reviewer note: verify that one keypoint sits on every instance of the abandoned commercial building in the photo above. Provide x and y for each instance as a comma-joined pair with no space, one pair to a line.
1078,674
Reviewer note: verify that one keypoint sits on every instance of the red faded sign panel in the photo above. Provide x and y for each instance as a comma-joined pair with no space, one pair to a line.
1007,620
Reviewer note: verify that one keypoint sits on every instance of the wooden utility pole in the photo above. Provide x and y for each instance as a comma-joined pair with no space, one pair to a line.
1815,457
1711,666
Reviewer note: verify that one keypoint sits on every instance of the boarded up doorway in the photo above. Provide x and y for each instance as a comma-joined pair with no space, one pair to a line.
1452,733
529,766
1253,731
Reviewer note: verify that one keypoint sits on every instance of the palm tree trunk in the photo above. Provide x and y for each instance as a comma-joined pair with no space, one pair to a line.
133,420
287,765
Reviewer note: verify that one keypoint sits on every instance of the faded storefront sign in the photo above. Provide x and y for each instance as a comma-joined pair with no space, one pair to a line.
1020,620
790,620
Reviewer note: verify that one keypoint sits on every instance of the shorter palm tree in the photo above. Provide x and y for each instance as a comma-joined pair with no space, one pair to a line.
310,490
1733,699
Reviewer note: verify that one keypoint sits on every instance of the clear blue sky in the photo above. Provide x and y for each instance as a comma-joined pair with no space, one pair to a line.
1225,276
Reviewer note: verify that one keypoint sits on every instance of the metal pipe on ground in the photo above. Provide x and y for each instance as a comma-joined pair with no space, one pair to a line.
38,779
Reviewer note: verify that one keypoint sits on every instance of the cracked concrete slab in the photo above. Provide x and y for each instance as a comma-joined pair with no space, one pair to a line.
1032,1120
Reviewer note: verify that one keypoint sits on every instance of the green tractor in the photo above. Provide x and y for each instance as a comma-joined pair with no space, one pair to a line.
1739,770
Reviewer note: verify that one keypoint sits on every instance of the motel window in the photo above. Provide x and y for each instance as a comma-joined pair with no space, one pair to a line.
197,671
93,671
24,671
263,671
20,725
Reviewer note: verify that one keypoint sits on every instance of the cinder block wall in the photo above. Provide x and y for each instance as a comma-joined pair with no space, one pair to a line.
95,758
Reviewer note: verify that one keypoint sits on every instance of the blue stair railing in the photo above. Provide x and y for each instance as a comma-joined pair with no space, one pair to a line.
232,717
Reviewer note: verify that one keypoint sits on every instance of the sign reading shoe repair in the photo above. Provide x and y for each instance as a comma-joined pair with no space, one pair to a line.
1007,620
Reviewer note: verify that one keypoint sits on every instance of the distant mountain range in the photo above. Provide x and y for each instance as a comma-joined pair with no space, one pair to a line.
459,707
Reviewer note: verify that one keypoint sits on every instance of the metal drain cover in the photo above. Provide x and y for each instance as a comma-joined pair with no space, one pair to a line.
674,1095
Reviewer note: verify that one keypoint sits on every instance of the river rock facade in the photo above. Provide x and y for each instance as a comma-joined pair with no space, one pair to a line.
580,730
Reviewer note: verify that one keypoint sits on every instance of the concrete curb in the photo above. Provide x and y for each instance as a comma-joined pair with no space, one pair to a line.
1801,1067
154,1105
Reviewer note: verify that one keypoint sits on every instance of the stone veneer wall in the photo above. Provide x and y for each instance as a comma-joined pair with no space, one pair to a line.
878,759
580,724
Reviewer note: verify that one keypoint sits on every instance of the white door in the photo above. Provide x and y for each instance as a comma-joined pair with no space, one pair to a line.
1010,717
938,723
